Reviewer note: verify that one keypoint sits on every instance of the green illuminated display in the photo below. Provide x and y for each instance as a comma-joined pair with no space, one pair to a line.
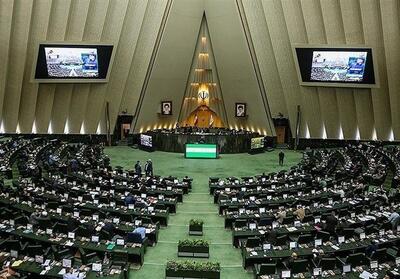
201,151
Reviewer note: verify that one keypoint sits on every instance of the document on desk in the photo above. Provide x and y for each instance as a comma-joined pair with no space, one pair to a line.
366,275
335,247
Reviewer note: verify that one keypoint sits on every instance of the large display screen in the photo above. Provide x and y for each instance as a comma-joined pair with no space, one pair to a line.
257,143
146,140
201,151
338,66
72,63
335,66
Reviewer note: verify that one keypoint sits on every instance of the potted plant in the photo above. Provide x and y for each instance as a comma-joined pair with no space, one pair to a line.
196,227
193,248
191,269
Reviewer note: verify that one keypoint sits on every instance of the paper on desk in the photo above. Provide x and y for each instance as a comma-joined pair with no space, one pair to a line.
366,275
17,263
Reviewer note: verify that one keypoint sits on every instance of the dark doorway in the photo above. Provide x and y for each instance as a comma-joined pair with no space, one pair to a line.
122,128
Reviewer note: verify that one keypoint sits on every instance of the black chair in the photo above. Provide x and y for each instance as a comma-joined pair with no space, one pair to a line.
356,259
266,222
288,220
252,242
119,258
240,223
348,232
281,240
44,223
60,228
327,263
88,258
305,238
33,250
299,266
265,269
133,237
324,236
379,255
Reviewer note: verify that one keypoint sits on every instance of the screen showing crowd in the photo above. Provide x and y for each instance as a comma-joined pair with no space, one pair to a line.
72,62
344,66
146,140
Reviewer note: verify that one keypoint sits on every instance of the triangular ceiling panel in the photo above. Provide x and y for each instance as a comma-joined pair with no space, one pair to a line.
203,94
231,68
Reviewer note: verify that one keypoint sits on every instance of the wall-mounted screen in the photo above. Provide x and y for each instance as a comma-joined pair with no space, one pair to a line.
199,150
58,62
257,143
146,141
335,67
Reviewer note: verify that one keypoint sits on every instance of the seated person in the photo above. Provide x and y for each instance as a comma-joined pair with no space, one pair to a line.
288,262
141,231
300,212
394,219
129,200
331,223
280,215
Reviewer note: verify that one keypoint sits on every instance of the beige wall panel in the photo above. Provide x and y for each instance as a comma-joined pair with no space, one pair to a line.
76,25
315,27
137,72
6,17
235,68
93,30
353,31
111,32
265,56
282,50
124,35
37,33
333,23
171,68
55,32
310,111
372,27
391,39
17,54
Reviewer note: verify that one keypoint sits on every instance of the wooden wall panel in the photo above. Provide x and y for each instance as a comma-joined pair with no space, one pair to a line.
391,39
316,34
141,59
266,58
22,12
281,46
353,31
310,110
123,28
78,14
6,18
334,31
55,32
93,30
74,33
372,27
38,30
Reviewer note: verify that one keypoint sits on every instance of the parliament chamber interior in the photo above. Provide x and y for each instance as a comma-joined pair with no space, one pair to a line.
212,139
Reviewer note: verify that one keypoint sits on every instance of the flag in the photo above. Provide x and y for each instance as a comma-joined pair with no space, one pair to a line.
211,121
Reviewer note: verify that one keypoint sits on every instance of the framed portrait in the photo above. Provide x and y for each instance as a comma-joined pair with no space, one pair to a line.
166,108
240,109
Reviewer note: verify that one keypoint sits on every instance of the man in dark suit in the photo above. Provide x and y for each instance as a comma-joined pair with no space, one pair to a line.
148,168
138,169
331,223
281,157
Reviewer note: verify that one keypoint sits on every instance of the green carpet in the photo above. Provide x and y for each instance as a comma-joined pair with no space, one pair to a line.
198,204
